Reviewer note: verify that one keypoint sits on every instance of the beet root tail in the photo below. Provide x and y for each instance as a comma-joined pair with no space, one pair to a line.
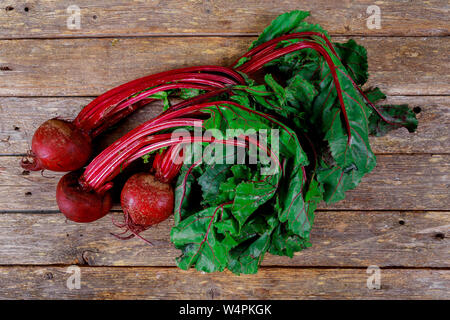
31,162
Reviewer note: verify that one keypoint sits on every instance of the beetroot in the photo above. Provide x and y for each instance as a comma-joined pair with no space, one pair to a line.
58,146
78,204
146,200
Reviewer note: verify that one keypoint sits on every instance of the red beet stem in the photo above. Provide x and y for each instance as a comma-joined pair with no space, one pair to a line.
150,144
185,80
66,146
274,42
93,118
107,161
168,163
119,116
116,95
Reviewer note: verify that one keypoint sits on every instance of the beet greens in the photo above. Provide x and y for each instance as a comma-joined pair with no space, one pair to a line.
322,85
314,87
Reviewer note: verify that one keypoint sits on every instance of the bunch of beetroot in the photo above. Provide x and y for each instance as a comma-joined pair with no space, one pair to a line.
311,93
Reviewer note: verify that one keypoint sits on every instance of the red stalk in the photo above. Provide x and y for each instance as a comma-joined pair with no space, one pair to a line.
274,42
168,163
66,146
104,159
121,115
149,81
90,119
208,80
123,151
107,161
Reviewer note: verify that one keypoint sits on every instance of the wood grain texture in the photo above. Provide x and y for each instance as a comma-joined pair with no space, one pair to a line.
88,67
48,18
17,128
398,218
399,182
339,239
168,283
402,182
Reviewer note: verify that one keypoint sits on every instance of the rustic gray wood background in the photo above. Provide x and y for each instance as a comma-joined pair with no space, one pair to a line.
397,219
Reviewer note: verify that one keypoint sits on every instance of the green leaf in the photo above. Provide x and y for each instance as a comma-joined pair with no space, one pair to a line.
146,158
354,58
185,200
210,181
228,226
348,159
300,92
244,228
389,117
285,243
187,93
251,195
283,24
351,158
291,204
394,117
247,257
241,62
277,89
200,242
375,95
164,96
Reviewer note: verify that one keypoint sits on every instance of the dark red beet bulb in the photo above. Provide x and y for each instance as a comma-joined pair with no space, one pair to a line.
80,205
58,145
146,200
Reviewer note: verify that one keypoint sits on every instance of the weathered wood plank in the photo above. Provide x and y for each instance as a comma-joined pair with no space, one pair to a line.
403,182
88,67
169,283
431,135
48,18
399,182
17,128
343,239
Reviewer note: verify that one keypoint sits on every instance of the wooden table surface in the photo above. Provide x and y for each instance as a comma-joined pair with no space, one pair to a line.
398,218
